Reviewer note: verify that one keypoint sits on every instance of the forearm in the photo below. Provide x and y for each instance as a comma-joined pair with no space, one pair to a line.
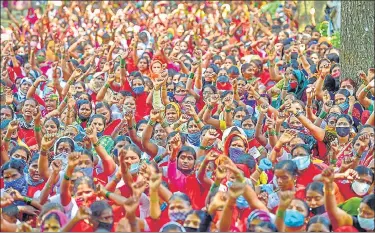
226,219
69,226
317,132
44,194
65,190
43,165
101,93
252,198
155,211
319,88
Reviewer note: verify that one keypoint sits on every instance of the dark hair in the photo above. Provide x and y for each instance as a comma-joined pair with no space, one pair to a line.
240,109
233,70
320,219
315,186
333,57
135,149
14,164
67,140
288,166
101,105
49,216
369,200
100,116
32,99
251,117
16,148
88,153
55,120
305,205
362,170
189,150
9,108
141,122
50,206
79,94
98,207
11,211
212,87
347,117
140,78
303,146
82,102
200,213
180,195
269,225
83,180
216,57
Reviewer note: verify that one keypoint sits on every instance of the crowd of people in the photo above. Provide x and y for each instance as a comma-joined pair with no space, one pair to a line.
178,116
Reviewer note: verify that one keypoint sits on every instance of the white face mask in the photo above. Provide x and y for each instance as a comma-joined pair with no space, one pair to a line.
360,188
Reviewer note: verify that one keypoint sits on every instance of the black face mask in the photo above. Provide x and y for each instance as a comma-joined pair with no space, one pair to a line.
318,210
105,226
82,118
190,229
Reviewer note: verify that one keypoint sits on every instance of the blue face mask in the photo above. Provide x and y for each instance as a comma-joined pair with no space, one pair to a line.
235,153
237,123
138,90
178,216
134,168
194,138
343,131
241,201
19,184
209,174
88,171
344,106
251,103
23,162
293,218
170,94
366,223
249,133
302,162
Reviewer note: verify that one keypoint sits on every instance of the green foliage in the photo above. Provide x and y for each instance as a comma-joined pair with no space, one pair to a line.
323,28
336,39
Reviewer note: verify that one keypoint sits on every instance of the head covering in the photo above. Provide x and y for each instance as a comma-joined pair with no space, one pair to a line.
228,139
176,107
62,218
31,16
351,206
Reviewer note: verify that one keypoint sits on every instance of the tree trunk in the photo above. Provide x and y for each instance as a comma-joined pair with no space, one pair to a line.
357,38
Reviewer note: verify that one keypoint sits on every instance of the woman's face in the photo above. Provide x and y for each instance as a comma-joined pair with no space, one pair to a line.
34,171
339,99
50,127
156,67
186,161
223,72
238,143
64,147
131,157
98,124
83,97
314,199
193,127
171,115
177,206
342,122
209,75
189,101
183,46
79,88
294,123
295,141
282,36
142,65
71,132
84,191
315,58
85,110
239,115
335,109
192,221
20,154
105,112
248,124
51,225
129,103
228,63
141,128
299,206
285,180
365,211
25,87
207,92
11,174
346,84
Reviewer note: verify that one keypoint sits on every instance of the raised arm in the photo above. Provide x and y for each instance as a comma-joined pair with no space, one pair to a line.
150,148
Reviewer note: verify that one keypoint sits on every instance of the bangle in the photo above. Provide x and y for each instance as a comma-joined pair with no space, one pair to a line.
366,90
191,75
122,63
210,107
151,122
164,124
157,159
213,186
333,161
272,132
71,82
308,106
27,200
107,194
154,200
197,121
280,213
350,113
228,109
66,177
297,114
205,147
7,139
106,85
323,115
37,128
96,144
48,186
66,100
132,127
277,149
35,86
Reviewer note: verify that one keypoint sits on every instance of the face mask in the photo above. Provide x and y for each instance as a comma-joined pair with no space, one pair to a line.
237,123
63,157
293,218
299,128
138,90
318,210
134,168
88,171
179,97
350,91
19,184
293,84
139,134
41,58
343,131
249,133
366,223
177,216
209,174
344,106
241,202
251,103
190,229
105,226
170,94
33,44
302,162
194,138
235,153
360,188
